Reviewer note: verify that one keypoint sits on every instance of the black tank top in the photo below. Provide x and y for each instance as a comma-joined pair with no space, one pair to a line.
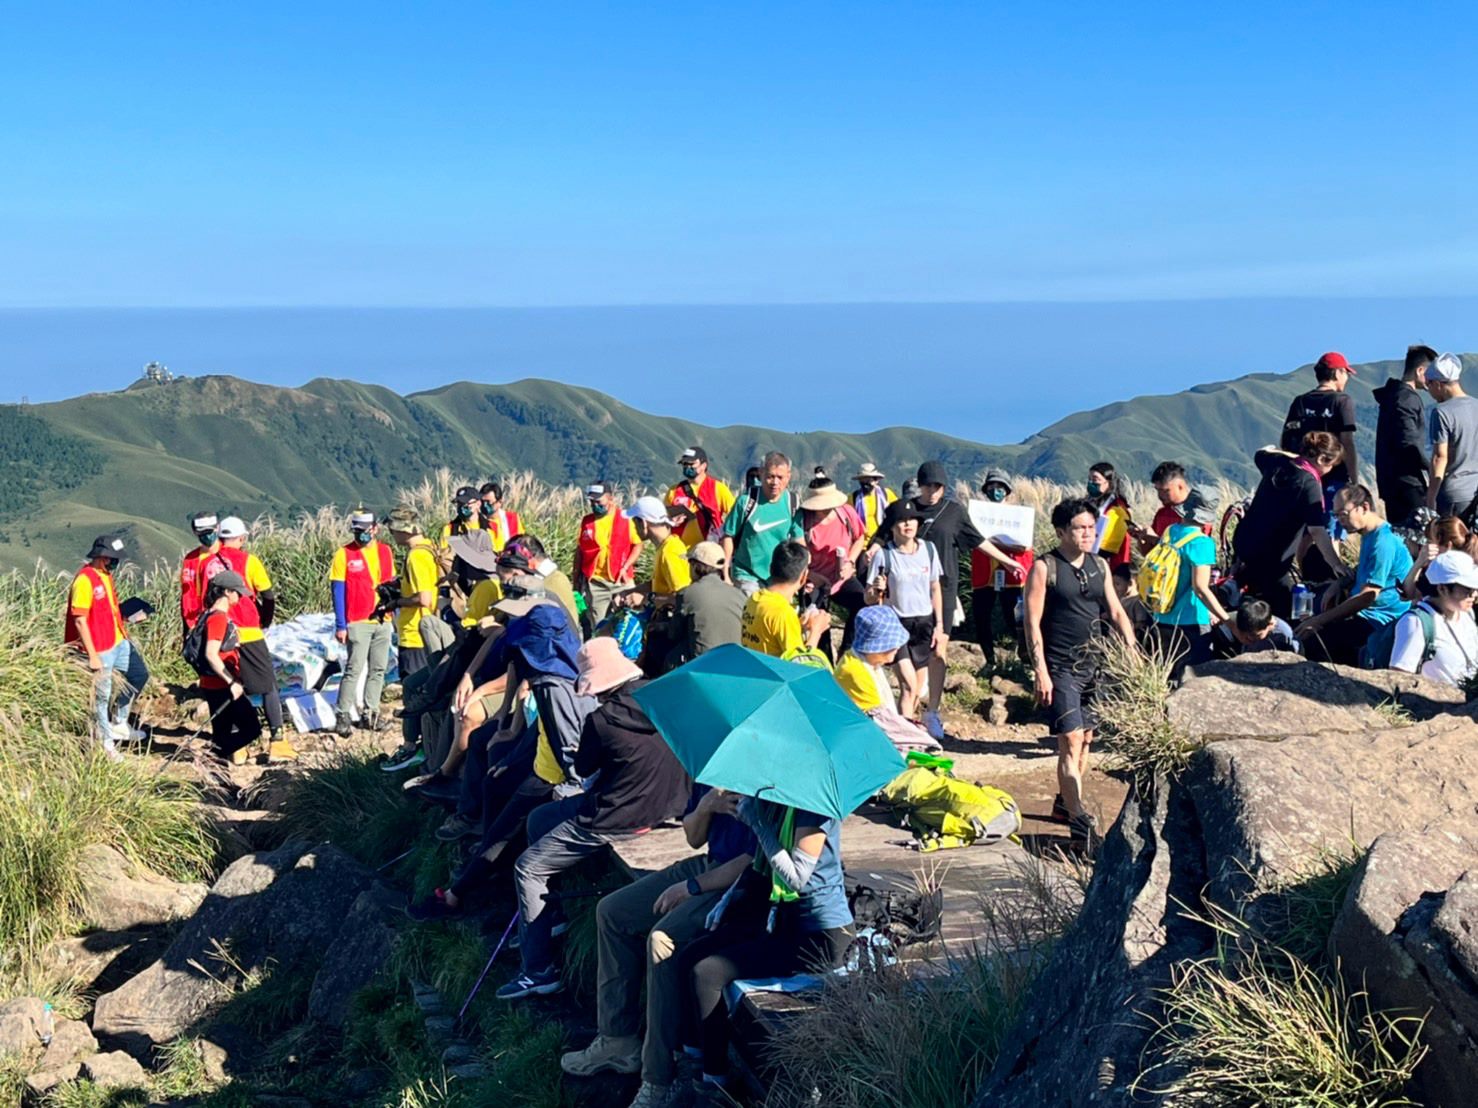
1074,608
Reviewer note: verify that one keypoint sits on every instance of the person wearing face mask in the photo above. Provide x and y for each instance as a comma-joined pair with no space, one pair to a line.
872,497
606,552
997,581
192,584
466,515
1450,654
707,499
499,523
359,567
95,626
1106,490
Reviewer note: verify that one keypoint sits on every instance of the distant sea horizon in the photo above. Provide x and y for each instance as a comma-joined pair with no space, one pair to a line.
989,372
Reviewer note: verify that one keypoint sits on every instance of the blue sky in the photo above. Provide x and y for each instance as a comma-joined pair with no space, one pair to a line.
180,155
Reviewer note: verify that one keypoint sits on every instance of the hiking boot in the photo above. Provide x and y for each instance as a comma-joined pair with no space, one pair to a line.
407,757
606,1053
280,750
933,725
345,726
649,1095
434,907
239,756
1084,827
457,827
543,983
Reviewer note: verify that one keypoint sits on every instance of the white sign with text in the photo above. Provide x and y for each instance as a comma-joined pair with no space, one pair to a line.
1012,524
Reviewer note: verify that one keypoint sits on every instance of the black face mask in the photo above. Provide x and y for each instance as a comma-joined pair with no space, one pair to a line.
464,511
363,537
487,509
206,538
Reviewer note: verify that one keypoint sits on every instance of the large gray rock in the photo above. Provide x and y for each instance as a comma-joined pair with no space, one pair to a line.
366,941
276,913
22,1023
114,1070
103,960
71,1041
119,896
40,1085
1273,811
1078,1041
1267,696
1408,935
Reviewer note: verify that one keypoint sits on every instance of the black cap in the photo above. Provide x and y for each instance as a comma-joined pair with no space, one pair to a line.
901,510
467,495
515,559
693,454
932,473
107,546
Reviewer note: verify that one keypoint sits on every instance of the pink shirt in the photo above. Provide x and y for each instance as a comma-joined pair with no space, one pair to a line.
839,529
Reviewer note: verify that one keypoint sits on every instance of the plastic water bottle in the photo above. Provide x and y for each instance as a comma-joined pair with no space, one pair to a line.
1000,581
1303,603
1021,610
49,1027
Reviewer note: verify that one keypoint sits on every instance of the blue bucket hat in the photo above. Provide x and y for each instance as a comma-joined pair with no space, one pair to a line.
878,630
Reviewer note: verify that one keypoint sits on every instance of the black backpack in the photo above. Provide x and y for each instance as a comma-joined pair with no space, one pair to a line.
194,648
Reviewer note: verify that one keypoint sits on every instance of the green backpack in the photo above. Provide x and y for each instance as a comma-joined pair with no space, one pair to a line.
1378,648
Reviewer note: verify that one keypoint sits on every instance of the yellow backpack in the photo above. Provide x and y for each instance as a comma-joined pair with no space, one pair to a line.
944,812
1159,576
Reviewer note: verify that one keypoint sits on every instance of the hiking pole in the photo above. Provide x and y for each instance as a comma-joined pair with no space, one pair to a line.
190,739
483,975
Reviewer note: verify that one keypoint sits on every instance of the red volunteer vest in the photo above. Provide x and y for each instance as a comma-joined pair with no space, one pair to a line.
103,618
589,546
192,588
364,568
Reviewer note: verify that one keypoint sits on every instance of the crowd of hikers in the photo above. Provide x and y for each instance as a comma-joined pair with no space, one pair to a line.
522,711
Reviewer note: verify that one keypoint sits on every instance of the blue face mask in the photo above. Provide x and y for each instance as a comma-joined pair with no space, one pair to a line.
995,493
207,538
690,472
464,510
363,537
598,510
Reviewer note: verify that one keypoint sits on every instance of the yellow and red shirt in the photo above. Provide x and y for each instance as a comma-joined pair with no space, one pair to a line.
244,613
93,598
603,547
358,569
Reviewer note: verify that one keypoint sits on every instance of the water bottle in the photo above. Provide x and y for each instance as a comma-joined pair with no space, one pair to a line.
48,1028
1000,579
1303,603
1020,610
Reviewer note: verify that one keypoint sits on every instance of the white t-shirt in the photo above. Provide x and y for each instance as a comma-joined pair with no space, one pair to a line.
911,578
1456,642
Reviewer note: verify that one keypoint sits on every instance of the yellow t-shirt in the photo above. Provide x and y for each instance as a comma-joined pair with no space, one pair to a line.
872,519
693,533
259,582
856,679
419,575
672,571
485,594
445,542
769,624
81,601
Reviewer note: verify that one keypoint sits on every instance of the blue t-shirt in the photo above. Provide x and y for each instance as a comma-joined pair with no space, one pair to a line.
1384,564
823,902
727,837
1189,610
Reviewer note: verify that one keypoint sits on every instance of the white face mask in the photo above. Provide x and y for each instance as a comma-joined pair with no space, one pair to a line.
546,567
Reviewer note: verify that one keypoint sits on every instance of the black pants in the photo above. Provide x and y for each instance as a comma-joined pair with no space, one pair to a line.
234,723
983,603
514,799
1278,592
1188,645
714,959
412,659
1402,499
1340,642
259,679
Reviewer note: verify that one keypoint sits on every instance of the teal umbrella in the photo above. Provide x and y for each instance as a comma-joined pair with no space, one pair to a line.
783,732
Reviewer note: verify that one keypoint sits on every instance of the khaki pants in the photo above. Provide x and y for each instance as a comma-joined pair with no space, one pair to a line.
600,593
634,943
369,653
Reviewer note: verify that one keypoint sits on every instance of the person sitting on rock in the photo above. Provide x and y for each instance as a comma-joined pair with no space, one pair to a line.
1450,654
879,636
1253,629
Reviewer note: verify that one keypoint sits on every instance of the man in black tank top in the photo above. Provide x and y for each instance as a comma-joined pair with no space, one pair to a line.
1069,596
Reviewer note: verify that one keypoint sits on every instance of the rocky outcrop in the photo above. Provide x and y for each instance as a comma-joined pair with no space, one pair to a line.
276,913
120,896
1408,934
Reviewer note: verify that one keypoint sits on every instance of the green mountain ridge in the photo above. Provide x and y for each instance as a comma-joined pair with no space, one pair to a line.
149,455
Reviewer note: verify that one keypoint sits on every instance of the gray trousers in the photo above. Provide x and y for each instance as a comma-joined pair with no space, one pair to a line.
635,945
600,593
369,653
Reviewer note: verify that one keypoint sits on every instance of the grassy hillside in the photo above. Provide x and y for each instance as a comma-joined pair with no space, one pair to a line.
151,454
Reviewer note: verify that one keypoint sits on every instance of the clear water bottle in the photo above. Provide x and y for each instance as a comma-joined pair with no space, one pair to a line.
1303,603
1000,581
48,1028
1021,610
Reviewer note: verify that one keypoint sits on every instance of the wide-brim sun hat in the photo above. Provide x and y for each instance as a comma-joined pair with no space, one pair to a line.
867,469
996,477
476,549
878,630
1199,507
603,667
824,499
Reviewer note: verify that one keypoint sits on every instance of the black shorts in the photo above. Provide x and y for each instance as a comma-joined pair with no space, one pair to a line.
920,643
257,676
1073,692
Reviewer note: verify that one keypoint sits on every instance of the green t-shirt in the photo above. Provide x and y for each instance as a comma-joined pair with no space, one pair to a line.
756,538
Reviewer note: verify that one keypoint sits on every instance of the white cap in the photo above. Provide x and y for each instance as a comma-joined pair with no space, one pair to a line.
648,509
595,491
362,518
232,528
1453,568
205,522
1445,367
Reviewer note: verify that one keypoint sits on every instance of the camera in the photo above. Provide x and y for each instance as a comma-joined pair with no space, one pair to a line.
389,599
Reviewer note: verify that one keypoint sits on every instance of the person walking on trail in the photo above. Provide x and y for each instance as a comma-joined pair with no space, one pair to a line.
1450,655
904,574
606,552
835,537
417,590
639,930
95,626
707,499
1110,497
1338,633
499,523
1183,633
233,720
758,524
1172,488
769,623
252,615
1331,409
206,526
1068,599
358,569
1453,433
872,497
636,783
1401,464
996,582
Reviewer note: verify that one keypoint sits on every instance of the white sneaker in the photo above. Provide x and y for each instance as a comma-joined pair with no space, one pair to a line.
123,733
616,1055
933,725
652,1096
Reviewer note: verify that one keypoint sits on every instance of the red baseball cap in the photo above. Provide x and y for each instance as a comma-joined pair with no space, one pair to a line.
1335,360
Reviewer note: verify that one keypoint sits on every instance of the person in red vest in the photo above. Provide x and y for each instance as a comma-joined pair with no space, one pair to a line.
359,567
95,627
192,586
500,524
707,499
606,552
252,614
